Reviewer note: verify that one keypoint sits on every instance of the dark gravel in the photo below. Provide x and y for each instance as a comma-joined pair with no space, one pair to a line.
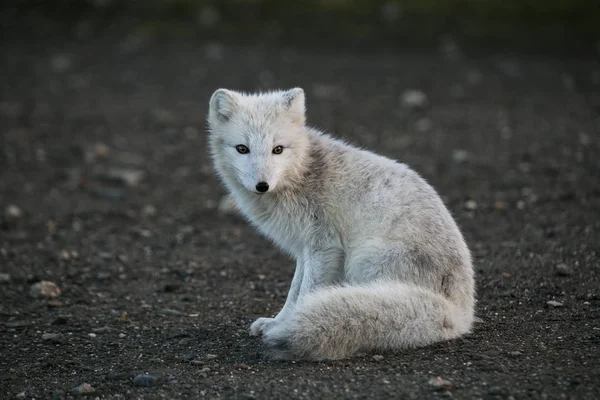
106,189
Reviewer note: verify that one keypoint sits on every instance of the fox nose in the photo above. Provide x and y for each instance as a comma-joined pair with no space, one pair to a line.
262,187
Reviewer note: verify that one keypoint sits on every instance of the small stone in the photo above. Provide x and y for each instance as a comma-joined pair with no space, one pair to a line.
45,289
4,278
515,353
520,204
64,255
101,150
129,176
84,388
563,270
378,357
478,320
92,335
242,366
500,206
122,335
211,356
149,211
506,275
106,255
12,212
51,337
494,390
414,99
144,380
248,396
123,258
459,156
555,304
169,312
471,205
424,125
439,383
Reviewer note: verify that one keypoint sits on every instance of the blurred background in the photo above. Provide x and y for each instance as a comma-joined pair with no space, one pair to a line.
549,24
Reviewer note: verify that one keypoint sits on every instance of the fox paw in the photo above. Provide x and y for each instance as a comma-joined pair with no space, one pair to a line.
261,325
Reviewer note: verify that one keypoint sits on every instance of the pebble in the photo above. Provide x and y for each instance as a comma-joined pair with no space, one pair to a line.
149,211
92,335
84,388
494,390
414,99
144,380
378,357
129,176
553,303
52,337
4,278
439,383
168,312
515,353
459,156
45,289
563,270
471,205
12,212
211,356
101,151
424,125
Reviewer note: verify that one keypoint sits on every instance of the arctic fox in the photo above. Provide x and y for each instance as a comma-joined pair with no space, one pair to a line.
380,262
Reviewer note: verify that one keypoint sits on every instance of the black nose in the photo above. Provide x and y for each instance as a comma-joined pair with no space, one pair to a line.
262,187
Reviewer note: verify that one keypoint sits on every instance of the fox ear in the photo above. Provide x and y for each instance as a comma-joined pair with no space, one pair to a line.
222,105
295,104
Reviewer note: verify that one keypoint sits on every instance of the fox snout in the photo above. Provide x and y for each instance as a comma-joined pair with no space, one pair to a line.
262,187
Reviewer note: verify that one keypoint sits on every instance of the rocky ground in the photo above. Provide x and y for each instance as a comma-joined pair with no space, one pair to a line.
106,190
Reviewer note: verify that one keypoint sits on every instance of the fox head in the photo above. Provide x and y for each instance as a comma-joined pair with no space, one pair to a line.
258,142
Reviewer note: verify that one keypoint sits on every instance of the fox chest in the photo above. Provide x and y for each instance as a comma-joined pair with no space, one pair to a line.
294,228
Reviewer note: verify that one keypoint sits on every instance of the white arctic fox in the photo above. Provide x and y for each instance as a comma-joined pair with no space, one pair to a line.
381,264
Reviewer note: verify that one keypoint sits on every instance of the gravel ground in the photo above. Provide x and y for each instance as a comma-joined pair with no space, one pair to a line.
106,190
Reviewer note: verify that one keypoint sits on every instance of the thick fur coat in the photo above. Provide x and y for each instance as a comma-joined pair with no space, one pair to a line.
380,262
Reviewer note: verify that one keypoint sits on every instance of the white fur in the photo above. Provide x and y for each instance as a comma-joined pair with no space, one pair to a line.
381,263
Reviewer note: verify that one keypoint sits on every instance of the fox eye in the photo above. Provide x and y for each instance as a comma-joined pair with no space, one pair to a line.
242,149
277,149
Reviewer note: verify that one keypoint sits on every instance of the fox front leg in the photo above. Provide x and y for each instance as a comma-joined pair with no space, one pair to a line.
314,269
263,324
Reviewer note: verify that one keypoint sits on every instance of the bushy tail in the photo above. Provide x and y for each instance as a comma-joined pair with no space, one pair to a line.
338,322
